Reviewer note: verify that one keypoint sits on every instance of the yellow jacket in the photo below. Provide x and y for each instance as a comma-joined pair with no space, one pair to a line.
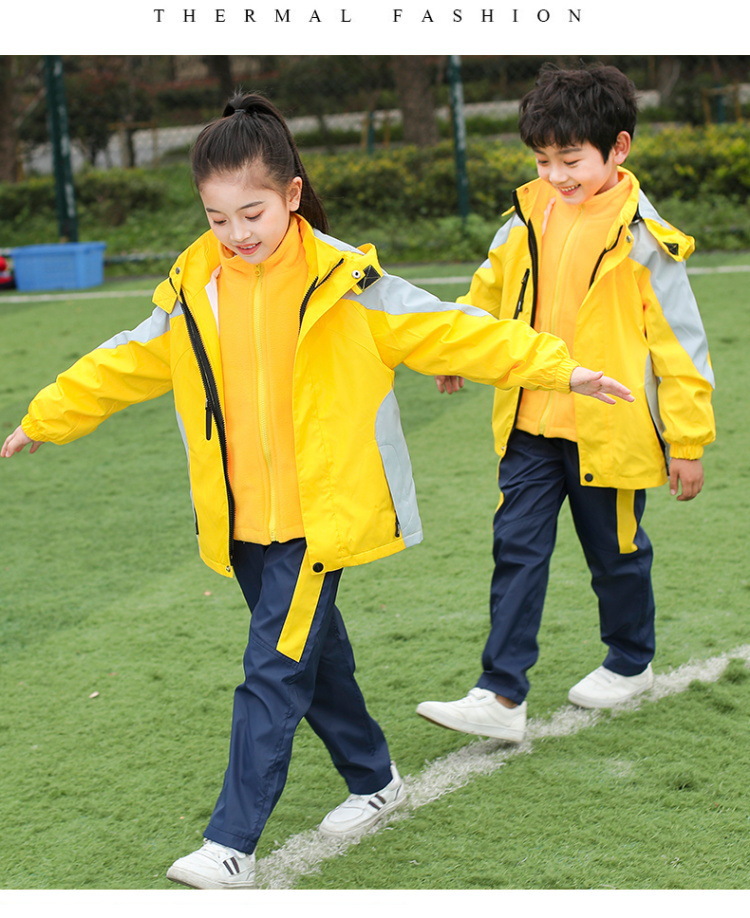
356,325
639,322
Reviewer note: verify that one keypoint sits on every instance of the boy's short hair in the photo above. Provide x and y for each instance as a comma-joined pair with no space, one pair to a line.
590,105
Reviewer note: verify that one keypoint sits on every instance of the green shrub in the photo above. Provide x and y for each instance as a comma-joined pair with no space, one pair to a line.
693,162
404,199
398,241
20,201
112,195
412,183
717,223
108,197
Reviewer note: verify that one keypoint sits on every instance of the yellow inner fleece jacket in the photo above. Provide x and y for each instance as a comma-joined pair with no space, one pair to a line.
573,237
258,329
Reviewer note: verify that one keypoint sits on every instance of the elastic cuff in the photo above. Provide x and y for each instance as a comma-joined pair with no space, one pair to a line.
31,429
685,452
564,372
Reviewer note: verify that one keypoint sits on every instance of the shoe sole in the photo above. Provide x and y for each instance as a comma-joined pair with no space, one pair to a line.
503,733
363,826
193,881
582,701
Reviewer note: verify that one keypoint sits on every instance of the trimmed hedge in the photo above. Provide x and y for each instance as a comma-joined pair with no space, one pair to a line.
108,197
402,198
684,163
694,162
411,183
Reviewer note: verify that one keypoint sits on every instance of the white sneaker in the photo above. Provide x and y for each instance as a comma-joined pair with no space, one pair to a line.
360,811
214,867
479,713
602,688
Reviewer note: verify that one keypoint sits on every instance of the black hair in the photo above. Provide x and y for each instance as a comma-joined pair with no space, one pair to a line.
252,130
567,107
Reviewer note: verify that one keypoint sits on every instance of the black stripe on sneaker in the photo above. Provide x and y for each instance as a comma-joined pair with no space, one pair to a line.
232,866
376,806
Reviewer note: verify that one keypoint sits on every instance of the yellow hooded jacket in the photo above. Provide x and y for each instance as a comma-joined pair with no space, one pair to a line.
639,322
356,325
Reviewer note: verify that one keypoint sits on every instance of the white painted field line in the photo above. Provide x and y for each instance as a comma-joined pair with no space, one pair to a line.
112,294
304,853
74,295
456,279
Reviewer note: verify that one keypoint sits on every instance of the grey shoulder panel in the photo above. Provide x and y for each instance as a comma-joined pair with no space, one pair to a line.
151,328
396,296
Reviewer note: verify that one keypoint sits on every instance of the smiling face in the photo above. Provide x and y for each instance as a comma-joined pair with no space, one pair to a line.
578,172
247,214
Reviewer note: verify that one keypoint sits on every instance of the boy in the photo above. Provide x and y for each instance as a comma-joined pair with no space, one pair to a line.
585,256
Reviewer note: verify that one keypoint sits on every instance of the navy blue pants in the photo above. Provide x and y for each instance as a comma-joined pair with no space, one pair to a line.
536,475
298,663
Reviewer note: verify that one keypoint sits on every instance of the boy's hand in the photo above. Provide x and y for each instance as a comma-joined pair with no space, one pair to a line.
597,385
449,384
689,474
16,442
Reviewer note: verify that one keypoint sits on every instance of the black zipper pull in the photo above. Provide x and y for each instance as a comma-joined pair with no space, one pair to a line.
209,418
519,304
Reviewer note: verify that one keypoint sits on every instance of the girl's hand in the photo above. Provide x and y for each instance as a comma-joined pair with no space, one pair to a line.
449,384
597,385
16,442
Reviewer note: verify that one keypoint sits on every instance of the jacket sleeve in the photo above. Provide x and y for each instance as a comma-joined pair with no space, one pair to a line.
134,366
679,356
413,327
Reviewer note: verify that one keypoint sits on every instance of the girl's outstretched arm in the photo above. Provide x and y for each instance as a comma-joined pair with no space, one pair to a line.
16,441
597,385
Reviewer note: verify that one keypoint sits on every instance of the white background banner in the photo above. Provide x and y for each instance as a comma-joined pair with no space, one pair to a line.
254,27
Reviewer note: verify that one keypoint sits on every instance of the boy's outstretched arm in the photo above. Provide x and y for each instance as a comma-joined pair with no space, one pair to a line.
597,385
16,441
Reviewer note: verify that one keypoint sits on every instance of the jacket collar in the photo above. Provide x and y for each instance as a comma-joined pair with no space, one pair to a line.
538,193
334,269
637,208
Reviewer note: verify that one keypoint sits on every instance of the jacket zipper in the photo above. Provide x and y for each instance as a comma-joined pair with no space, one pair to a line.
534,256
263,388
303,308
213,408
533,253
262,392
312,288
213,405
601,257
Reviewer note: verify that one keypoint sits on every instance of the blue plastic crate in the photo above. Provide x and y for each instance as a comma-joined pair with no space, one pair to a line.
59,266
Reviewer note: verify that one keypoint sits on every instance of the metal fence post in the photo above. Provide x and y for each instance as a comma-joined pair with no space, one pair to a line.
57,117
459,133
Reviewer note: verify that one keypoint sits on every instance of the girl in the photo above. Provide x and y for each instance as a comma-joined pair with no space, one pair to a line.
279,344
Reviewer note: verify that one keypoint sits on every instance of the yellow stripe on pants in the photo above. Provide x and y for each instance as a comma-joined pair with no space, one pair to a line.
299,619
627,525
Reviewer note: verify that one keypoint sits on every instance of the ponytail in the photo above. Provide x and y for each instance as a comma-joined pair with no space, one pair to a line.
252,130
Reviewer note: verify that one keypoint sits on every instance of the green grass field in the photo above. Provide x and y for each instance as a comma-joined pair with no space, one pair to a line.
119,652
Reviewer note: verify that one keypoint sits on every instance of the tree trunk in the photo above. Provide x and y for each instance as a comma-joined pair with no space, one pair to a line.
8,133
219,67
668,72
413,75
